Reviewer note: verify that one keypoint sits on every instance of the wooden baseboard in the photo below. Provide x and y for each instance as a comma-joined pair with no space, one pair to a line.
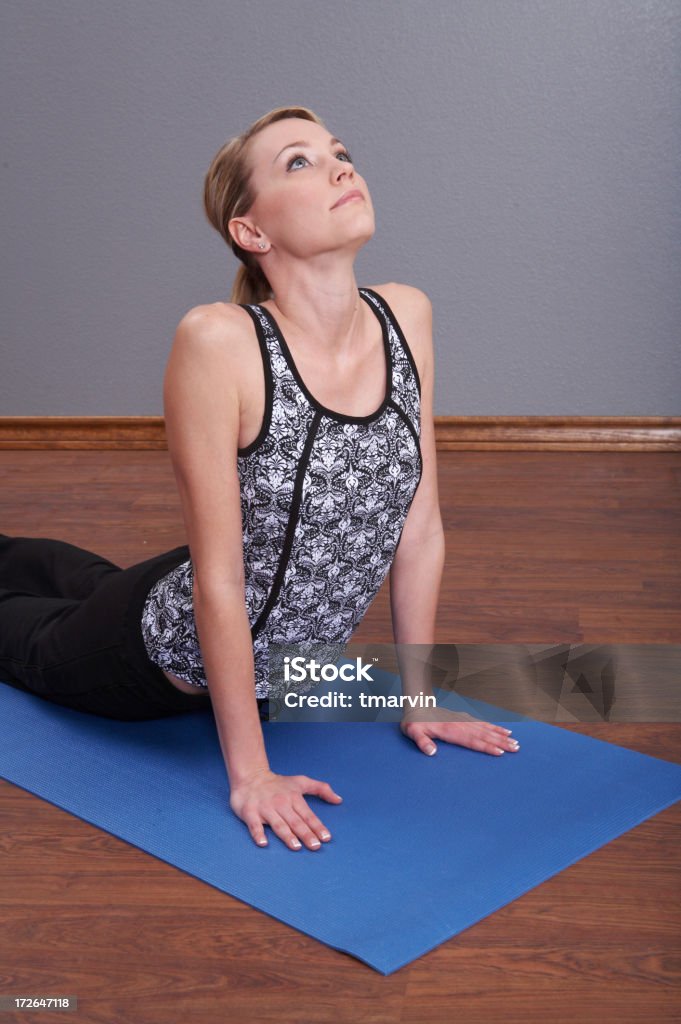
558,433
452,433
82,432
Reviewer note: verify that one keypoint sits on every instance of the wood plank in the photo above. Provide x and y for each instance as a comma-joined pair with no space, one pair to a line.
541,547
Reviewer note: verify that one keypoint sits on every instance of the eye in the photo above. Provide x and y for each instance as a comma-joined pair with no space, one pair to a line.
301,156
298,156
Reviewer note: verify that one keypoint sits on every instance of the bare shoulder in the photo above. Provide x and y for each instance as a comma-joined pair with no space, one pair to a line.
219,339
414,312
215,325
405,299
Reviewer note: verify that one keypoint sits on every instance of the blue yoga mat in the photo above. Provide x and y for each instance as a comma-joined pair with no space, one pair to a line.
423,847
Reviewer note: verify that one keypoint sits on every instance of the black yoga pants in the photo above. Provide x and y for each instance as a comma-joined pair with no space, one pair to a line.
70,630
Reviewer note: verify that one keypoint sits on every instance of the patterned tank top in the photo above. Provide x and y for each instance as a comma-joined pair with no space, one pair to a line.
324,499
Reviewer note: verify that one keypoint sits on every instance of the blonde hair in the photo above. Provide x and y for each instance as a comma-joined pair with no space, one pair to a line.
227,193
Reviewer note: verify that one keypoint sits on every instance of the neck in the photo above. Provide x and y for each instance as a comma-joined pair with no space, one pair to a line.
318,299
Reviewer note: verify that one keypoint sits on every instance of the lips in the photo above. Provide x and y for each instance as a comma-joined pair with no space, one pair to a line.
354,193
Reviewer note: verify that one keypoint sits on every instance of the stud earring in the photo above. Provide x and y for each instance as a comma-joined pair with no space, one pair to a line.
261,245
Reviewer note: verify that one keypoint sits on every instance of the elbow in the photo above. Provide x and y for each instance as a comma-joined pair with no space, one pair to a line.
429,546
208,591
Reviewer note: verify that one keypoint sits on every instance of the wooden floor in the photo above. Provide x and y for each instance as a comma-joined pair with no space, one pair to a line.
541,547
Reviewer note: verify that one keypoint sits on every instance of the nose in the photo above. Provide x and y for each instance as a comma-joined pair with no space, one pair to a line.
342,167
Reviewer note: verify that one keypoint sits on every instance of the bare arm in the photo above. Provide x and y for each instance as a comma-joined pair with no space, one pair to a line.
416,572
201,403
416,575
202,424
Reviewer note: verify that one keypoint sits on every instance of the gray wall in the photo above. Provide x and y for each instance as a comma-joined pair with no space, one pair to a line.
523,157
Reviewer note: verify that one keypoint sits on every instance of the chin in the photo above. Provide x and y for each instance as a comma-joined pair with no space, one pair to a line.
363,228
367,235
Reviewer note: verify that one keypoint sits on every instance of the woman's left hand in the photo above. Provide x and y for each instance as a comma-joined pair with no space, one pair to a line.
456,727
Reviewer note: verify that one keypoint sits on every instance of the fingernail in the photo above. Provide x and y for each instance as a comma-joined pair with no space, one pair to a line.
326,835
430,750
294,842
314,843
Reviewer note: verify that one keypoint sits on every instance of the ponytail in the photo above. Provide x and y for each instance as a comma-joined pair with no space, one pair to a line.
250,285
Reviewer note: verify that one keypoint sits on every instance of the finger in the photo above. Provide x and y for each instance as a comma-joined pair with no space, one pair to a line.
282,829
316,826
500,741
489,746
257,830
418,735
301,829
501,731
318,788
505,740
424,743
491,739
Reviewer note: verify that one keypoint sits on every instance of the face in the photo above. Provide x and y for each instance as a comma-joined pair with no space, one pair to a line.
298,173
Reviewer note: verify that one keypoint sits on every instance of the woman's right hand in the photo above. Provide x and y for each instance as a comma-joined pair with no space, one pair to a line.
265,798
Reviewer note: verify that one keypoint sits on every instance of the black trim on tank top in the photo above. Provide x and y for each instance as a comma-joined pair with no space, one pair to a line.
269,386
417,440
339,416
258,625
400,334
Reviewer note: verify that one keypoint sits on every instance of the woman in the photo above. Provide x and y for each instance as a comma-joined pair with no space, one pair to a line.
299,424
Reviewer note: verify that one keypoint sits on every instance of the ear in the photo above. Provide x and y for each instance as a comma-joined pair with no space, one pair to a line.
245,233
